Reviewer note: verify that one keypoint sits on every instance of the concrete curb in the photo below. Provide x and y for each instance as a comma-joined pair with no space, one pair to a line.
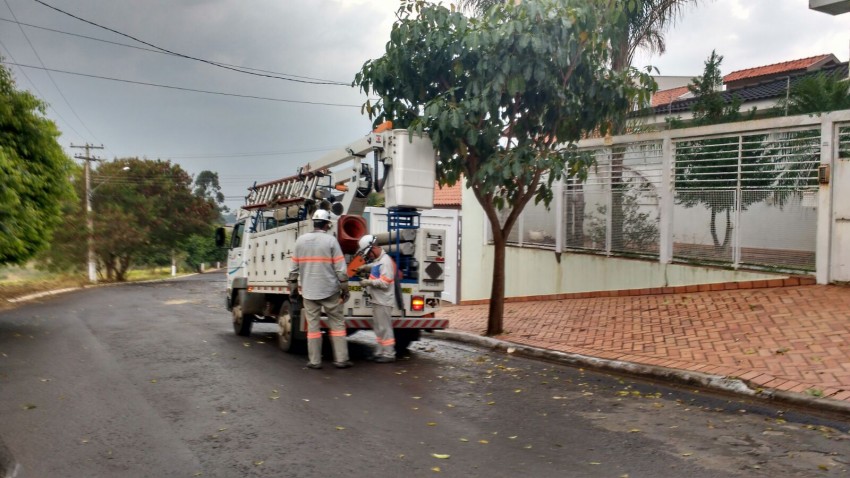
712,382
38,295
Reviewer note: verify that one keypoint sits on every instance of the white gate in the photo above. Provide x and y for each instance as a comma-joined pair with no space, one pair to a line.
840,181
447,219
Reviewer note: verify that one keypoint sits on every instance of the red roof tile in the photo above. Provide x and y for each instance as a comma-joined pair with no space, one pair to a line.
665,97
786,66
448,196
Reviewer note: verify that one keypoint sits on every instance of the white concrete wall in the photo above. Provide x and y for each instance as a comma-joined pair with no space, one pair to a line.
537,272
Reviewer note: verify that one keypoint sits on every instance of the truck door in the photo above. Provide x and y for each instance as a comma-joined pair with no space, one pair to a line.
235,261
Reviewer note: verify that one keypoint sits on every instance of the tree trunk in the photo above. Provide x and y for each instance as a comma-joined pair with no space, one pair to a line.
123,267
497,292
714,229
110,267
728,236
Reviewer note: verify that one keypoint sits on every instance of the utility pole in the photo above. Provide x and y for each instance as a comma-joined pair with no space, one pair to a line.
88,158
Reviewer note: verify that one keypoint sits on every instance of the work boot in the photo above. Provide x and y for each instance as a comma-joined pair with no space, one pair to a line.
314,366
384,359
345,364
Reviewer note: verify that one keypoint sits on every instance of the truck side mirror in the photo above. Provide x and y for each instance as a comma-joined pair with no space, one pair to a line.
219,237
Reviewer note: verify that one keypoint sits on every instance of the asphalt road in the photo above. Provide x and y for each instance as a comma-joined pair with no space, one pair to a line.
148,380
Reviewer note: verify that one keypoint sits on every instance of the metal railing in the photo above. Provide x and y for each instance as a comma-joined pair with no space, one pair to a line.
744,195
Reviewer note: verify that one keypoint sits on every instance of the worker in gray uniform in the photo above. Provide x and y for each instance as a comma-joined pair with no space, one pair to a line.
381,288
318,267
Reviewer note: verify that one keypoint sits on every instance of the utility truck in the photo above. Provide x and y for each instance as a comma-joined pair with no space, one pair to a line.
276,213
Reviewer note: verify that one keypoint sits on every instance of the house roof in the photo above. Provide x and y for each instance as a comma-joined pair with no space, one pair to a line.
769,89
448,196
803,64
664,97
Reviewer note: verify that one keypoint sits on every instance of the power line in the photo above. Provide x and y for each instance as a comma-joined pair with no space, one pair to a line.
213,63
179,88
40,94
48,73
247,155
126,45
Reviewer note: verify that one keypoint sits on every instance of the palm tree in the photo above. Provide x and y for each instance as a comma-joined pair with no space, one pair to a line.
644,29
817,94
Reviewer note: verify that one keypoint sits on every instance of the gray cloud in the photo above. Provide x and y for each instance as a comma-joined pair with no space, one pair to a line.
327,39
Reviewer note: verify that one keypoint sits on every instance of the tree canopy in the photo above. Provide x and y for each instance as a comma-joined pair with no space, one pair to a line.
144,210
34,174
503,97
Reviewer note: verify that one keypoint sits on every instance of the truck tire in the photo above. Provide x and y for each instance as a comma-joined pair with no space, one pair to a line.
403,339
287,329
242,322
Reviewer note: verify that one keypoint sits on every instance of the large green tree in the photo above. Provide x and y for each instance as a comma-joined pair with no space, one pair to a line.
641,26
503,97
200,248
34,174
144,210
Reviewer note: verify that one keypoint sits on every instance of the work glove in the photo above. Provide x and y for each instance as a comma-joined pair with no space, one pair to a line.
293,289
344,293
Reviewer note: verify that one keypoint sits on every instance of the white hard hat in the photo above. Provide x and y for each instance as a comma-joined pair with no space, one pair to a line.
321,215
365,243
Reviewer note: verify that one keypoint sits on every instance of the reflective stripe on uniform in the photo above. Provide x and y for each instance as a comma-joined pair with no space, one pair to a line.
328,260
314,335
338,333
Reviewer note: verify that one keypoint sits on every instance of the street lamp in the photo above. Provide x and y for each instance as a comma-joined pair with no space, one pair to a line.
92,259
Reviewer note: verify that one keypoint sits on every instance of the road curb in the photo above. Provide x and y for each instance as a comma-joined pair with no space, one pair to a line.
38,295
713,382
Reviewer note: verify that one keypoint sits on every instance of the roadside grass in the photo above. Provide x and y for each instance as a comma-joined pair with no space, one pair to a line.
19,281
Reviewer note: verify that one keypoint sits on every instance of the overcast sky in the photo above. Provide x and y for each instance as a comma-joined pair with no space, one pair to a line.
253,139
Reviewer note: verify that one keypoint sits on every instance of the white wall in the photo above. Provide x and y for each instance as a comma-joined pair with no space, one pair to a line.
538,272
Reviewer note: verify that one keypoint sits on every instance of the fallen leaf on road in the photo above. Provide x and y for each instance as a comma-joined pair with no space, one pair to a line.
440,456
258,463
483,442
464,440
436,469
432,424
340,428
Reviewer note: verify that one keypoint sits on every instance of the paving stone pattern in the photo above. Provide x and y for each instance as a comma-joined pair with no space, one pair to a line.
794,339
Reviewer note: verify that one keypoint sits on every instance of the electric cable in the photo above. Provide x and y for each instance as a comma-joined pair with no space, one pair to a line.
40,94
49,75
213,63
180,88
127,45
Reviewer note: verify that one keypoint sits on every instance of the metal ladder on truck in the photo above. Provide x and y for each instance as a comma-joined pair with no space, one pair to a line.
283,191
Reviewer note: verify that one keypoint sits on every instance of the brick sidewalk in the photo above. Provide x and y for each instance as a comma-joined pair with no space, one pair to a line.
794,339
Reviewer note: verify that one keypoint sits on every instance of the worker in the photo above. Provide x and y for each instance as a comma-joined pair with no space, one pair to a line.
381,288
319,270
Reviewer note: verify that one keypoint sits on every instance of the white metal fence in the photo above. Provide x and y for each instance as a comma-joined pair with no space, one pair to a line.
743,195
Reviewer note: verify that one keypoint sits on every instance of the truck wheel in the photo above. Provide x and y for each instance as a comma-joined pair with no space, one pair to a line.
241,323
403,339
287,330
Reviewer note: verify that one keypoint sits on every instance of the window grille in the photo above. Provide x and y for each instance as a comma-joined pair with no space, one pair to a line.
732,191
